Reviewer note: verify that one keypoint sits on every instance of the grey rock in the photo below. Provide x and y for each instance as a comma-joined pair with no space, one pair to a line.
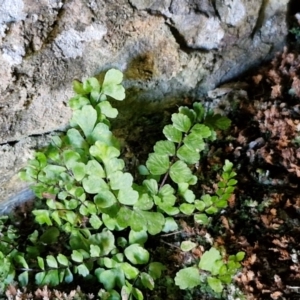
184,7
11,11
231,12
159,5
199,31
71,43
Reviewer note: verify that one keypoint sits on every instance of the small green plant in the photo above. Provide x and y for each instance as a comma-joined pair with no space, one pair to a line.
296,32
213,268
95,218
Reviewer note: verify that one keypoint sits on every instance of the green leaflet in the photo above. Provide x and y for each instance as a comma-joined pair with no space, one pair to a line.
187,155
165,201
200,205
188,196
53,171
187,208
77,256
42,216
130,271
208,259
166,190
112,84
201,130
91,84
151,185
147,281
112,165
107,109
105,240
51,261
240,256
170,225
165,147
180,172
95,221
172,134
76,140
113,76
104,199
94,184
95,168
138,237
199,110
187,246
215,284
78,87
119,180
79,170
115,91
83,270
78,102
86,118
136,254
153,221
190,113
101,133
23,278
187,278
128,196
62,259
103,152
70,157
112,278
158,164
95,250
194,142
125,218
144,202
181,122
201,219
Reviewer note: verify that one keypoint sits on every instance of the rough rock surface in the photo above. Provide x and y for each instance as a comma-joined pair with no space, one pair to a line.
167,49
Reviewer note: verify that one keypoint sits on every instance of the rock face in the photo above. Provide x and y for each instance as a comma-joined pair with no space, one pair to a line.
167,49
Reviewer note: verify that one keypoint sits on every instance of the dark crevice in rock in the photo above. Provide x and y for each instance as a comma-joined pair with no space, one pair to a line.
180,39
93,13
7,29
131,5
182,43
293,8
213,4
155,12
55,26
260,19
12,143
16,75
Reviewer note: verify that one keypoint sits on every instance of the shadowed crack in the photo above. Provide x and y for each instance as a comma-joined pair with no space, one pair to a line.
53,32
12,143
179,39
